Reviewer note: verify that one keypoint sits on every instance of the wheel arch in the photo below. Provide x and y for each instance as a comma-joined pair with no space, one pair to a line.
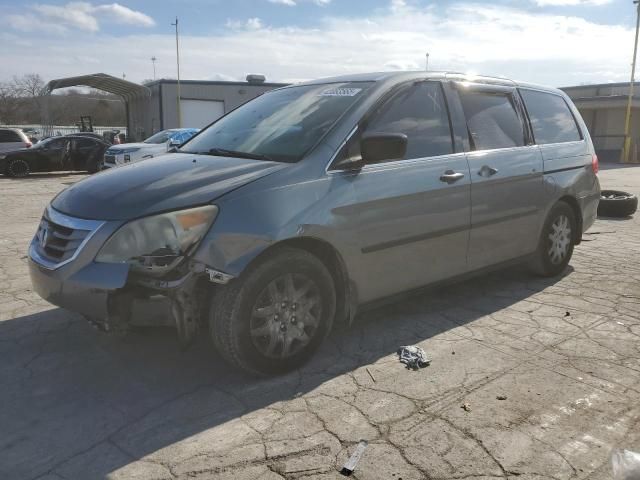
346,294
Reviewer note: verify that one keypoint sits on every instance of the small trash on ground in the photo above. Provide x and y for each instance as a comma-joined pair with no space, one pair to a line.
351,464
413,357
501,397
625,465
453,353
567,314
466,407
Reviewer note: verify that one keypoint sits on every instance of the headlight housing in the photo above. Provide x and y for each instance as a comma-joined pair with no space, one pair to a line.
158,243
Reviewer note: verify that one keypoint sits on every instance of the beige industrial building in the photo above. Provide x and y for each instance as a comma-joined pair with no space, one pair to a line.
603,108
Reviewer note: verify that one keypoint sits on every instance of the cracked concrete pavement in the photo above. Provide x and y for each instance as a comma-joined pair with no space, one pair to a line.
565,352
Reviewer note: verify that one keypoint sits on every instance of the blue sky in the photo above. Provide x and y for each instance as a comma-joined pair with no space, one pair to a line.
557,42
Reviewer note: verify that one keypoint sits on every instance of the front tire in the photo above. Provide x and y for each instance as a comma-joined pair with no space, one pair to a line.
557,241
18,168
274,317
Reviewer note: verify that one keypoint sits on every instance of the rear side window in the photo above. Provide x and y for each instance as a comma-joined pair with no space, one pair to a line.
551,119
492,120
9,136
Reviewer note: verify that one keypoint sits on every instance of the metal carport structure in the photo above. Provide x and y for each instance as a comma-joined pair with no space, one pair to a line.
127,91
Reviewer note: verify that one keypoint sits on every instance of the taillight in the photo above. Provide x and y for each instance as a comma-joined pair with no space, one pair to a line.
594,163
28,144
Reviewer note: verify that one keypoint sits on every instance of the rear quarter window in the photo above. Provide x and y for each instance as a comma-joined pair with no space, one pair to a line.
7,136
550,116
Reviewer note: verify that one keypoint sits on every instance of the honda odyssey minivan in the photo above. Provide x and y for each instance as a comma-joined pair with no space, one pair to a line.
300,207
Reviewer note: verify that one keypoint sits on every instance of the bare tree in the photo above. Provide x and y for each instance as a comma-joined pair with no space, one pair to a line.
8,103
30,85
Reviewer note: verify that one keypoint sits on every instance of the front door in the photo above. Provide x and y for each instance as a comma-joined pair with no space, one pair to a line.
412,214
506,176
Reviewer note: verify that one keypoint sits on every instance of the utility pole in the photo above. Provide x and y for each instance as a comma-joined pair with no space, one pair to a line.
427,67
626,151
178,64
153,60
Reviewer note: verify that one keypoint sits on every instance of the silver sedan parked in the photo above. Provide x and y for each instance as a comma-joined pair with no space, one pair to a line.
295,210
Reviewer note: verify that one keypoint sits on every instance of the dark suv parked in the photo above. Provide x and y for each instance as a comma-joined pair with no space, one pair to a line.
55,154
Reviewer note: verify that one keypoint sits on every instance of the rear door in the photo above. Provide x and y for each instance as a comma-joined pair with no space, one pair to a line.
412,214
10,141
507,204
54,155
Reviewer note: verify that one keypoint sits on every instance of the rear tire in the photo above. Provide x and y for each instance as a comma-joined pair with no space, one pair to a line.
18,168
617,204
557,241
274,317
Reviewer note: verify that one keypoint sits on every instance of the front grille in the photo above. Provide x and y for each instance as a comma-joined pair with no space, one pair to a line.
60,238
109,159
58,243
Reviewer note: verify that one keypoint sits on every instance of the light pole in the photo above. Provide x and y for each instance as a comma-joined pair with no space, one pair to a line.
427,66
178,64
153,61
627,122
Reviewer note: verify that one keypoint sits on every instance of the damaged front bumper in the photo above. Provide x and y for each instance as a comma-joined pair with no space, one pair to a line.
111,295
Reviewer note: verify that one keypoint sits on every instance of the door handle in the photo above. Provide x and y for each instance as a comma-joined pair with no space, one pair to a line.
451,177
487,171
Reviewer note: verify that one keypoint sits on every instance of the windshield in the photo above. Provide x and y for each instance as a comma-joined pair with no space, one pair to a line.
160,137
281,125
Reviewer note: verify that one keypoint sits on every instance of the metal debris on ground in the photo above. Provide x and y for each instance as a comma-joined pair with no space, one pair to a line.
413,357
466,407
625,465
370,374
351,464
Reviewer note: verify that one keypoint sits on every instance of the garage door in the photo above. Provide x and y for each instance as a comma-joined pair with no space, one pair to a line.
200,113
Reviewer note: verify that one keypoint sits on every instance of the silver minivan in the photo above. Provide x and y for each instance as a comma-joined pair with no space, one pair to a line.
300,207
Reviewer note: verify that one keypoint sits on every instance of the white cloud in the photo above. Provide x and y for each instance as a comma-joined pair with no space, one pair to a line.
121,14
250,24
75,16
293,3
564,3
492,40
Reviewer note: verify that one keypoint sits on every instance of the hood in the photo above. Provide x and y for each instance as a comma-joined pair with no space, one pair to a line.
171,182
127,146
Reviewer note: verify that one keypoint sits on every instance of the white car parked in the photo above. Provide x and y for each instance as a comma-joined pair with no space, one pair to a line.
157,144
13,139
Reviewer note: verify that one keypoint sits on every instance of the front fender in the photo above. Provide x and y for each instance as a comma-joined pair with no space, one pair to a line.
250,222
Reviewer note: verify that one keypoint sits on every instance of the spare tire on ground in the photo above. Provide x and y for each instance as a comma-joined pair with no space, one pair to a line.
617,204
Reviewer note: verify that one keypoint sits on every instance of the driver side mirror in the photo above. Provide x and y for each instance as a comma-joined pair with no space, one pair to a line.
376,148
382,147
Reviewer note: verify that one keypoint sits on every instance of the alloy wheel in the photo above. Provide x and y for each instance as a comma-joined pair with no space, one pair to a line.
18,168
286,316
560,239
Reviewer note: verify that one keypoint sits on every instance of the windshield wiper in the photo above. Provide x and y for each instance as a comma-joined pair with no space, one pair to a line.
222,152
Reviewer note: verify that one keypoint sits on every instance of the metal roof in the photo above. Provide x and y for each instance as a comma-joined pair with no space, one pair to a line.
215,82
125,89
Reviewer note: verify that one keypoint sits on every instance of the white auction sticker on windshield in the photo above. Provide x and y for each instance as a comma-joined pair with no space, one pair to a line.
341,92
